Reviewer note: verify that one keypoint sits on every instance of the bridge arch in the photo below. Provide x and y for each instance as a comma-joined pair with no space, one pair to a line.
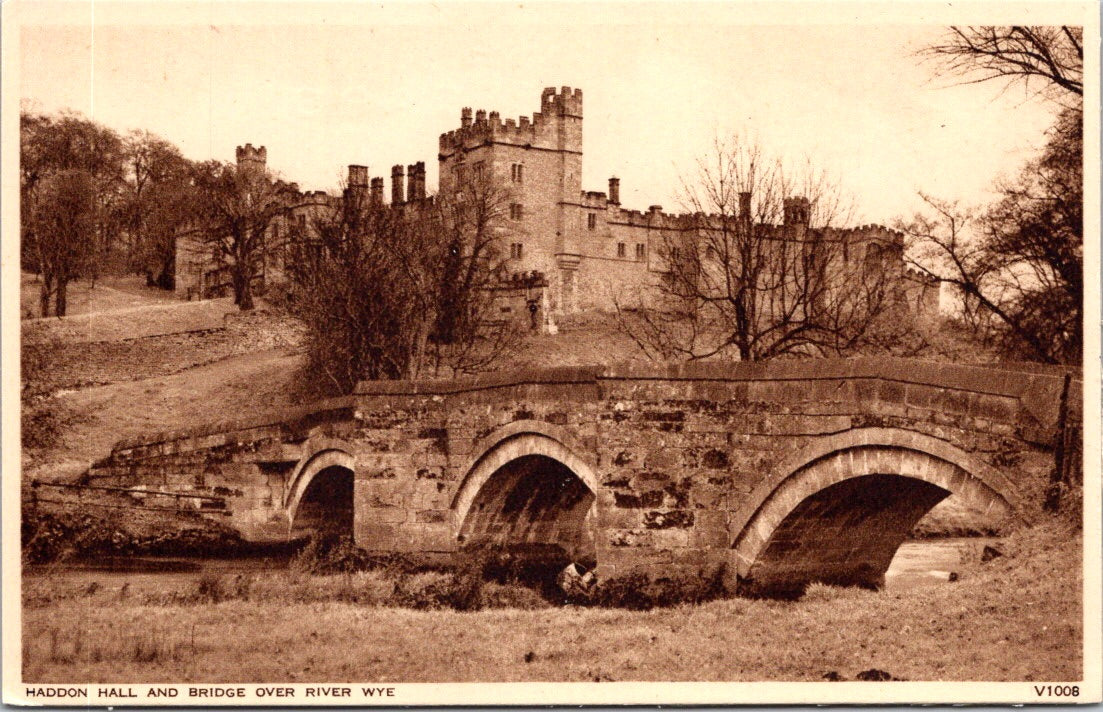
320,492
838,510
527,487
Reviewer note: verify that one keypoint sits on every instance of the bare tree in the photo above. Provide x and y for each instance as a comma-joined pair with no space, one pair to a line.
236,208
1019,264
466,337
399,291
1047,59
736,282
361,283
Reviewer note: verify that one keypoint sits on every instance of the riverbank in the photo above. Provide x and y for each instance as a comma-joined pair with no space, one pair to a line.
1015,617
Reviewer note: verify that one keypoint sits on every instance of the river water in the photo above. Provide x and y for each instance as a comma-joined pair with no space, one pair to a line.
926,562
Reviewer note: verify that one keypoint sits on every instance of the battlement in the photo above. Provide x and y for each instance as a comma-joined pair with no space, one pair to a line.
875,233
248,153
594,199
916,275
251,160
315,197
480,126
564,102
654,217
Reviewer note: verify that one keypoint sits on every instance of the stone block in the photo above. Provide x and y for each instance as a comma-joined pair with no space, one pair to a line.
630,537
711,523
385,515
374,536
642,500
670,538
618,518
433,516
672,519
624,558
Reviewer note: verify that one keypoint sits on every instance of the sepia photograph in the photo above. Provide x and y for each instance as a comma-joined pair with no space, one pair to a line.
605,353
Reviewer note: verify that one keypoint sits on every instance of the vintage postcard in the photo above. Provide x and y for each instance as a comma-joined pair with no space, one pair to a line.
478,353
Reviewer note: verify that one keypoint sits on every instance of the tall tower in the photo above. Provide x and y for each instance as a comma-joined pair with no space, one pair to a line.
251,161
564,109
538,164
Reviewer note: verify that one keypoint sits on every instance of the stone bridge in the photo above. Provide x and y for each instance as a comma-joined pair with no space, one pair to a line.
784,472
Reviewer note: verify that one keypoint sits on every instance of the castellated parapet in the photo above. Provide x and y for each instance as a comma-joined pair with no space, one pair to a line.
251,159
541,131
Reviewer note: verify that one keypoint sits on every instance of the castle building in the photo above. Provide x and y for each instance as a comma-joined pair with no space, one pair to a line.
582,247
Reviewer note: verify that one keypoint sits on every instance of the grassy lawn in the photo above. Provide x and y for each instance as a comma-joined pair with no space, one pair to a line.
109,293
1018,617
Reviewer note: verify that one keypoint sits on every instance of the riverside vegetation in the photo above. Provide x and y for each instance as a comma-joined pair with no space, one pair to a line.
1015,617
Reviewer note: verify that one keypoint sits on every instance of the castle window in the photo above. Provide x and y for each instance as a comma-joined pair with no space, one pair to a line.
515,250
622,250
591,221
516,172
516,212
479,167
641,252
302,221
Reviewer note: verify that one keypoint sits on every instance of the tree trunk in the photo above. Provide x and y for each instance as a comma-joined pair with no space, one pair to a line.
167,278
61,303
44,294
244,296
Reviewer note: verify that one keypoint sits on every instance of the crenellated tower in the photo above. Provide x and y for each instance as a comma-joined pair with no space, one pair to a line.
251,161
538,161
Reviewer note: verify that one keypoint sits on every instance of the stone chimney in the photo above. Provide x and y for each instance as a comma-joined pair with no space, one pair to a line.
358,182
397,185
419,188
614,190
377,191
465,117
358,176
744,206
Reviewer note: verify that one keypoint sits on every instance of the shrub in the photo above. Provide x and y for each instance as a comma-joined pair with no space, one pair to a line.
532,565
56,535
425,591
331,553
211,588
639,591
496,595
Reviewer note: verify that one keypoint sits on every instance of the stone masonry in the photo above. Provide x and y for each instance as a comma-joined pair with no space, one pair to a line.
783,472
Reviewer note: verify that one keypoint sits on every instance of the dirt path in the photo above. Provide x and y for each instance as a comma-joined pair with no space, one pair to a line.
235,387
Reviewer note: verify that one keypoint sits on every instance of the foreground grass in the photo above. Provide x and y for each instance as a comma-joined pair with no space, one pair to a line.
1015,618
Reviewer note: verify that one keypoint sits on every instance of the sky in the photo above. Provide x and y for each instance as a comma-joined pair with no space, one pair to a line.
377,85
